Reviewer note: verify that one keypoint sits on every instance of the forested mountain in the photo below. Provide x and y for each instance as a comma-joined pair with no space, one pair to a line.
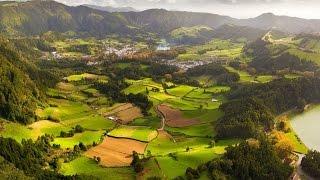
110,8
163,21
236,33
282,23
37,17
191,35
21,84
18,94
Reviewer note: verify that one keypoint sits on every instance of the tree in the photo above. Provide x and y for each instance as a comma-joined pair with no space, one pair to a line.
311,164
78,129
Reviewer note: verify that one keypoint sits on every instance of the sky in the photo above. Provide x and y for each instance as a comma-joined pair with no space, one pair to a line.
309,9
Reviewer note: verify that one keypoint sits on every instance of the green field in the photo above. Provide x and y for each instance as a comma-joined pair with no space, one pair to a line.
214,48
264,79
310,56
84,76
87,138
86,166
199,152
180,91
17,131
140,133
245,77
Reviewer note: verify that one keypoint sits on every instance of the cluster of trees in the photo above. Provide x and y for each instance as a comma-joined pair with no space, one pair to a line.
136,162
113,89
18,92
221,74
244,118
76,129
272,58
29,156
82,48
311,164
283,94
245,161
252,107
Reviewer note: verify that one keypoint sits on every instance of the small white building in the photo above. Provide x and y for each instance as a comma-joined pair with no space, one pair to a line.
214,100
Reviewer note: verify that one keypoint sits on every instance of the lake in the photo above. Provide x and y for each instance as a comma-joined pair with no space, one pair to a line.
307,127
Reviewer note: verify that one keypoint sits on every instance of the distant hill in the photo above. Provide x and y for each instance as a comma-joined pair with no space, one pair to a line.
282,23
110,8
238,33
191,35
162,21
37,17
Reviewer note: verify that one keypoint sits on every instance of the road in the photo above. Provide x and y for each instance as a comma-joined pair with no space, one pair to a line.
301,175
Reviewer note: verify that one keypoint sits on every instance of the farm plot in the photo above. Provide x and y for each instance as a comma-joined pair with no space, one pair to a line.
180,91
69,114
245,77
87,138
139,86
87,166
150,121
174,158
116,152
15,131
193,104
199,94
174,117
264,79
124,113
85,76
205,129
139,133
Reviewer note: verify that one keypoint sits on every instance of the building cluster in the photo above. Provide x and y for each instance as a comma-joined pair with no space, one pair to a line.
125,51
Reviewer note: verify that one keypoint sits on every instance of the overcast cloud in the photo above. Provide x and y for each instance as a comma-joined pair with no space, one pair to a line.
236,8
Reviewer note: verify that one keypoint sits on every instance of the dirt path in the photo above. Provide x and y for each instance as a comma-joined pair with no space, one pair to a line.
163,119
300,173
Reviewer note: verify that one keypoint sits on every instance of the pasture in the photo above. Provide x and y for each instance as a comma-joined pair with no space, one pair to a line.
87,138
140,133
215,48
89,167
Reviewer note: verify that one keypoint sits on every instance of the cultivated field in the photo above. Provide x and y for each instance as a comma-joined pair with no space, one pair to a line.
174,117
116,152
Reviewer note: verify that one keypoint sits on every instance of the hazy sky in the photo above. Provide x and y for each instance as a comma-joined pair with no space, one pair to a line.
235,8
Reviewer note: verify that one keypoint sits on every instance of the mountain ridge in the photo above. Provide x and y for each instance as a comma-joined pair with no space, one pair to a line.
37,17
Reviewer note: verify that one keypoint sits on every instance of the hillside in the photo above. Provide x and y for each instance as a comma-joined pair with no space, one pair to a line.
238,33
37,17
110,8
191,35
163,21
19,95
282,23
